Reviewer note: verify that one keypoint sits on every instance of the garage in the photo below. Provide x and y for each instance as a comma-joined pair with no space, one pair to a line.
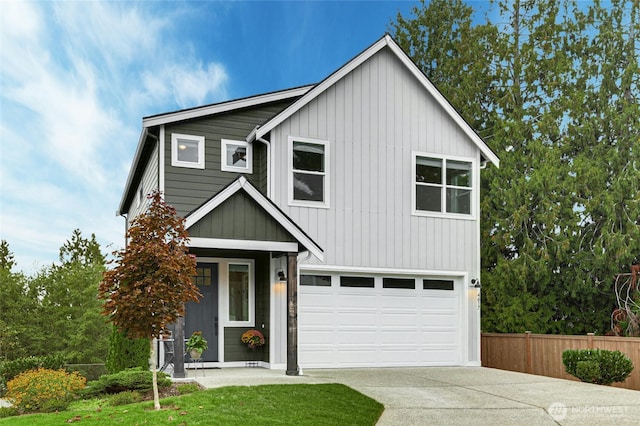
347,321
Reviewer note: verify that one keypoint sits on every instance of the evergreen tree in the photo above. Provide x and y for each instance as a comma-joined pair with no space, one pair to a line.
126,353
560,106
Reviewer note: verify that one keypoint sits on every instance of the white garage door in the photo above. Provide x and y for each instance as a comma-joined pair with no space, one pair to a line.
378,321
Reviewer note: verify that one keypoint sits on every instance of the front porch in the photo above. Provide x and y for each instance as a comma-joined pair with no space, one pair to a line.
247,253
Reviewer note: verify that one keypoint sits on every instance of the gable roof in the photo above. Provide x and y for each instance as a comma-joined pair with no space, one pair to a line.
242,184
217,108
386,41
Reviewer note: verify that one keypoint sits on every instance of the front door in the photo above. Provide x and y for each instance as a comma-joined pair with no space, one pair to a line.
203,316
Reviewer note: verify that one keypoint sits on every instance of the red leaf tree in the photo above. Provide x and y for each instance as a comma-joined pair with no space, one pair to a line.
152,281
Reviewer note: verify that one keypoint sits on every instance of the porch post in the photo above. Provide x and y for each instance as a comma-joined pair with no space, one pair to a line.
292,315
178,349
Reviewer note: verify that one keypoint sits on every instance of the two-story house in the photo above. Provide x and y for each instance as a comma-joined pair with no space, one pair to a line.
340,219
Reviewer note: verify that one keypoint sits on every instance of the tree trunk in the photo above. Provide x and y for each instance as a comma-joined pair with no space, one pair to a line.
154,373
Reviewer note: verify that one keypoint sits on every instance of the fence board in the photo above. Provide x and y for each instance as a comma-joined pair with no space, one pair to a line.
541,354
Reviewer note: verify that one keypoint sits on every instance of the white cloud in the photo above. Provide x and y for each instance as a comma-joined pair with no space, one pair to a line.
187,85
76,79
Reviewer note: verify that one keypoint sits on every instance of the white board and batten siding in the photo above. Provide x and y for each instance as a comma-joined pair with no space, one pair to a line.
375,119
148,183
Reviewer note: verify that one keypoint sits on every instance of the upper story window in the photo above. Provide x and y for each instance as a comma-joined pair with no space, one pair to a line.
187,151
236,156
442,185
308,172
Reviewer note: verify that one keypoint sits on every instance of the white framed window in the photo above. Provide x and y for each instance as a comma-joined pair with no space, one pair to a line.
308,172
236,156
240,298
442,185
187,151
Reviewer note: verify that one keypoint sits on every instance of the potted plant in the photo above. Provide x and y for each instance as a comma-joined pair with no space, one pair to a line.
253,339
196,345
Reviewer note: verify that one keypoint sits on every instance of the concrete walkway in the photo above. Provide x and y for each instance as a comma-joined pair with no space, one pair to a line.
459,395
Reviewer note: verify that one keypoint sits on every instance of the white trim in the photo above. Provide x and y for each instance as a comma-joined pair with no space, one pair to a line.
199,140
380,271
173,117
232,244
326,174
357,61
161,155
278,216
474,201
231,168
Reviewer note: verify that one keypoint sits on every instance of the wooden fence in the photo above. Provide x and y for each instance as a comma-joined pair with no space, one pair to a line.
541,354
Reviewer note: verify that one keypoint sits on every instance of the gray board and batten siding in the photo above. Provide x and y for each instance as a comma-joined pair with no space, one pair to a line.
186,188
374,118
149,182
240,218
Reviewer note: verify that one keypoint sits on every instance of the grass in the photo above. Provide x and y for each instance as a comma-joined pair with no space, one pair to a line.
301,404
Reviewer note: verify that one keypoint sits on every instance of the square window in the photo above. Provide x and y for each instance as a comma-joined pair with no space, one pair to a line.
236,156
187,151
308,172
442,185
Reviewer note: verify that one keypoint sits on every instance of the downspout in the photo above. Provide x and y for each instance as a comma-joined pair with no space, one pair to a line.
126,226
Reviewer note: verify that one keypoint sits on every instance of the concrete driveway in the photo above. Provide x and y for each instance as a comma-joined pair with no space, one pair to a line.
462,395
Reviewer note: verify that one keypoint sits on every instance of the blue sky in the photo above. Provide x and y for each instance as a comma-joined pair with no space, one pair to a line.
76,78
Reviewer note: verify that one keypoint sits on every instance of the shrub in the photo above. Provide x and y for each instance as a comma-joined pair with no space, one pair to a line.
127,353
8,412
597,366
126,380
10,369
43,390
124,398
184,388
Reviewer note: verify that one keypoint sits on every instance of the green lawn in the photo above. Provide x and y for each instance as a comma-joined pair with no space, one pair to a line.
322,404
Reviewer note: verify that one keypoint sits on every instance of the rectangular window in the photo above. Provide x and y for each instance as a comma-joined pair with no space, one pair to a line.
442,185
239,293
308,165
408,283
236,156
357,282
187,151
437,284
315,280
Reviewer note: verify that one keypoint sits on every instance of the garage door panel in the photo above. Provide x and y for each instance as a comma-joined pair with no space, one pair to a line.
404,319
317,337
